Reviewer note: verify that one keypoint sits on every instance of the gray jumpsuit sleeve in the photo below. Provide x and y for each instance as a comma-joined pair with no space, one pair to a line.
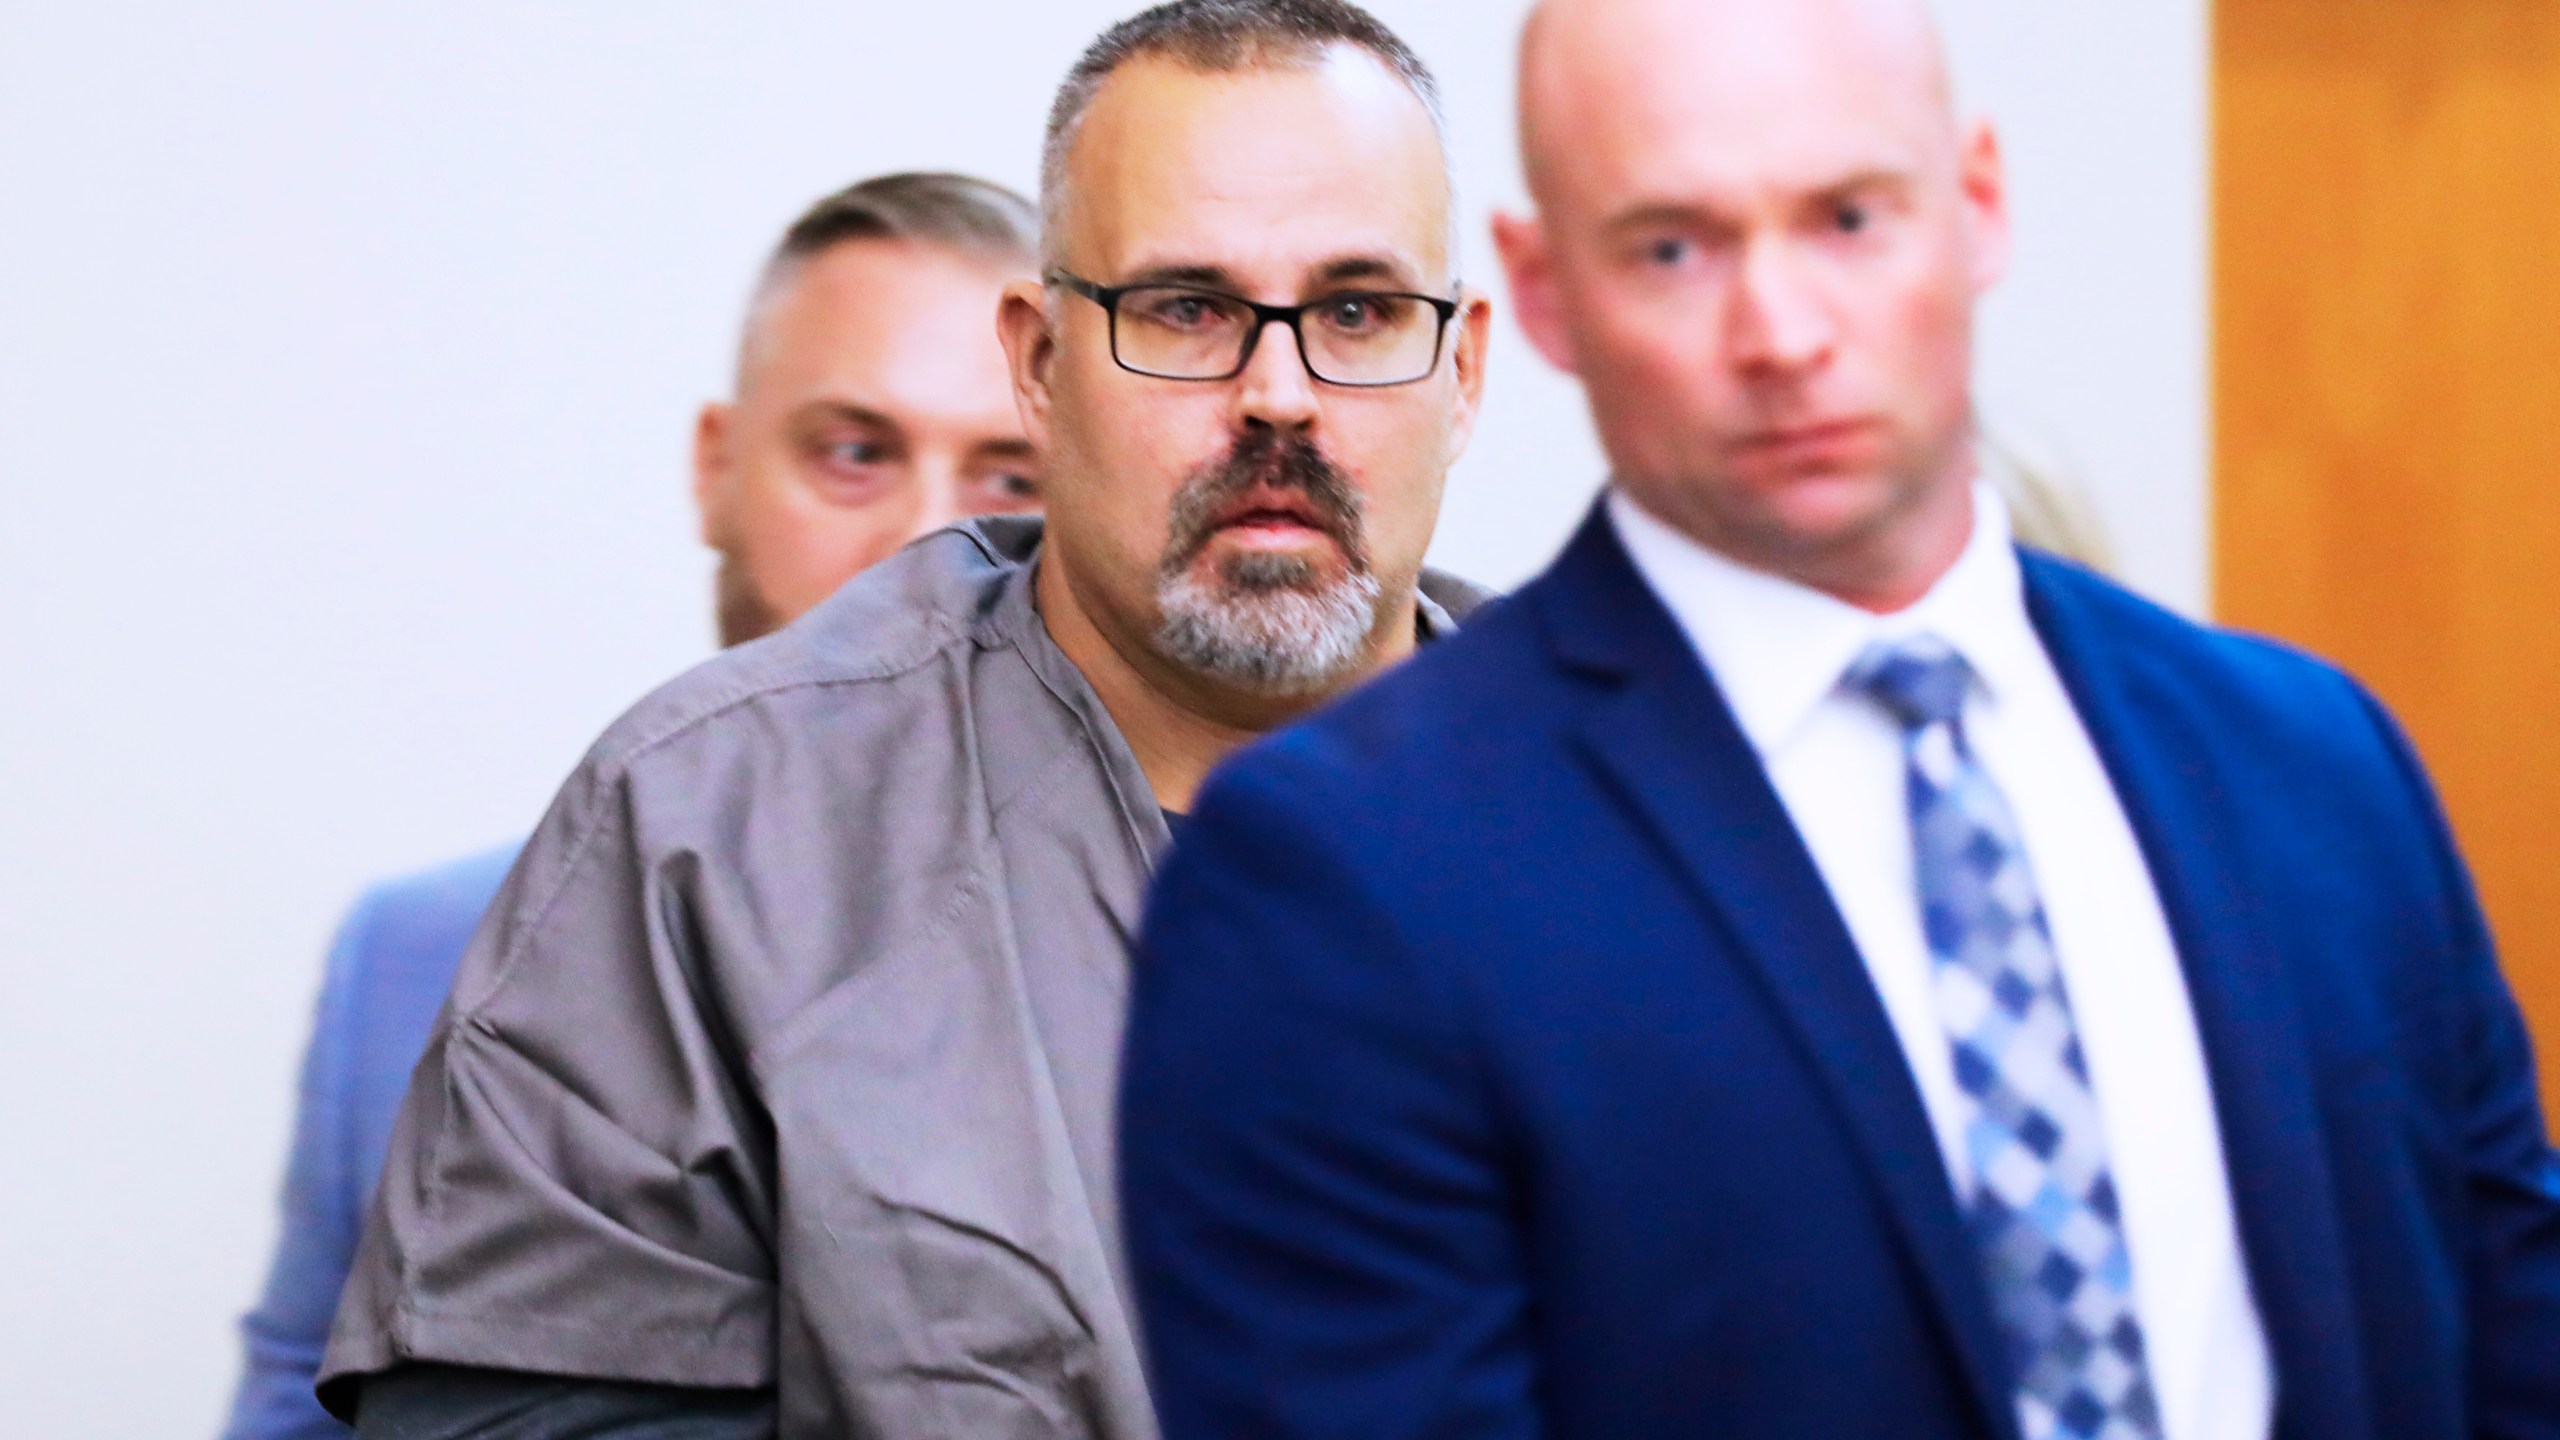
581,1181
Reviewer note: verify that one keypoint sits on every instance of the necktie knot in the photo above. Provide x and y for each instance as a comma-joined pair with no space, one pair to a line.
1920,681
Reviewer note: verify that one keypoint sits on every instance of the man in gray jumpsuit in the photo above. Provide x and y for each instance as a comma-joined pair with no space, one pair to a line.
774,1095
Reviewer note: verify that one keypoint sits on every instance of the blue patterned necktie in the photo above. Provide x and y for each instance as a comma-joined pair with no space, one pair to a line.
2043,1212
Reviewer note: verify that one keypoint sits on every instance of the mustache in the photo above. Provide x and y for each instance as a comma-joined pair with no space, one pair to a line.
1265,458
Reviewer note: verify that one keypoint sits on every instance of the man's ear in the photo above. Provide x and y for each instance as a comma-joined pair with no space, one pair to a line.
1022,323
1474,342
1984,177
710,470
1529,263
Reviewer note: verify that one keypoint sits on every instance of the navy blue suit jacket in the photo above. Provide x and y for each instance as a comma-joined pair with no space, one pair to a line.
1500,1067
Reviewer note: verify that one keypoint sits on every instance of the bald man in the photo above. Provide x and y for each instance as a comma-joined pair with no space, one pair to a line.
1806,966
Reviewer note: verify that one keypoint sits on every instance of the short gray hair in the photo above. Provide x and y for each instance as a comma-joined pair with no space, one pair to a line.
959,213
1218,36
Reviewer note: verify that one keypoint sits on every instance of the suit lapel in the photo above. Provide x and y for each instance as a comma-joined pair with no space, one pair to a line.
2161,753
1669,747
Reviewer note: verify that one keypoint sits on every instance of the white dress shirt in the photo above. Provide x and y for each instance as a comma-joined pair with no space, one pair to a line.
1779,650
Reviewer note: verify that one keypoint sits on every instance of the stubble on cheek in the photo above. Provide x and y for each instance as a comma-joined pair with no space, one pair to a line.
740,610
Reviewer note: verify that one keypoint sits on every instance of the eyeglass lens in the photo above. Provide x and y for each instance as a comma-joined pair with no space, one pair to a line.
1355,338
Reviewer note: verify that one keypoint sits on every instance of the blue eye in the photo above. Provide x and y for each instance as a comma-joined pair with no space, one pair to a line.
1850,219
858,452
1668,250
1180,310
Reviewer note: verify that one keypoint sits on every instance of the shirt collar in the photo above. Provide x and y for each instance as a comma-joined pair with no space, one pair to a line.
1778,649
1431,619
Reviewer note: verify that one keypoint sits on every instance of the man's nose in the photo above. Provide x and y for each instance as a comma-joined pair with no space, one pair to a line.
1781,322
938,484
1276,387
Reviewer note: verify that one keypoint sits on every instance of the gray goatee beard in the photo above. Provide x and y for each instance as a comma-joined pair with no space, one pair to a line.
1268,624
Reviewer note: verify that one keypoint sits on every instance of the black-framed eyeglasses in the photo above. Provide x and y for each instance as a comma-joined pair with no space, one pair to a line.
1362,338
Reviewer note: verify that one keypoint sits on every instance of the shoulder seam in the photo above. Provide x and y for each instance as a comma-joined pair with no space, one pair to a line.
713,707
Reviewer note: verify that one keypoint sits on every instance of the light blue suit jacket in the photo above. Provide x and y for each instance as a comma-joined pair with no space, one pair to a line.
389,969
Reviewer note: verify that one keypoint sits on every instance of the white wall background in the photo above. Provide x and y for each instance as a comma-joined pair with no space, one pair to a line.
347,354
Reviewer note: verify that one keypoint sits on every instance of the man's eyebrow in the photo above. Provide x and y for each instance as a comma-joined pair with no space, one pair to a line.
1666,212
845,410
1699,212
1345,269
1351,268
1007,449
1205,277
1880,177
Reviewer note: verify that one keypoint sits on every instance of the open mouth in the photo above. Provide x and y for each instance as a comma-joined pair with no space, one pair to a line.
1273,503
1271,515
